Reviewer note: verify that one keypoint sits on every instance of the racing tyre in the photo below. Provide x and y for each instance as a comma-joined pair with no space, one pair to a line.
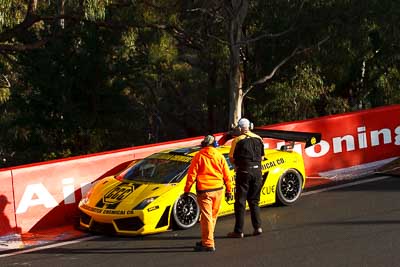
289,187
186,211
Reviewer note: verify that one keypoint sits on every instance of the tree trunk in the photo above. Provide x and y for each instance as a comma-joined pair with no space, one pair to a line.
235,94
236,11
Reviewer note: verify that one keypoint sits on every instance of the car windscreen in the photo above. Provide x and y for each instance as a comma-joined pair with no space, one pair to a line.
159,168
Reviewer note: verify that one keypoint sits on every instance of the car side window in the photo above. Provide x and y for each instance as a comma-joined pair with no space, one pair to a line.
228,161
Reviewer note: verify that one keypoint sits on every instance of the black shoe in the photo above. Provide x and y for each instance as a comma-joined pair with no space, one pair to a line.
235,235
204,249
257,231
199,244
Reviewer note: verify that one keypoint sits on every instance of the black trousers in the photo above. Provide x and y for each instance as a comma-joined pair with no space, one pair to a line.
248,188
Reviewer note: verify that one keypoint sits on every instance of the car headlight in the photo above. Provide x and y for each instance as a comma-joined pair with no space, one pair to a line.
144,203
85,199
86,196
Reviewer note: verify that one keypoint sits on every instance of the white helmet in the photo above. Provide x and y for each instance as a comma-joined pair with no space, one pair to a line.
244,123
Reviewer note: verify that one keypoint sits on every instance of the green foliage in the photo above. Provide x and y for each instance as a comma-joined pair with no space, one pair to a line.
299,98
4,89
95,9
4,94
116,74
11,13
164,51
386,90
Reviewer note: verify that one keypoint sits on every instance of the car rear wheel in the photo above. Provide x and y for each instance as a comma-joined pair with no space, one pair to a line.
289,187
186,211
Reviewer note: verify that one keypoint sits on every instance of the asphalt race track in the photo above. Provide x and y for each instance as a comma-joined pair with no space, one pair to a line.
346,225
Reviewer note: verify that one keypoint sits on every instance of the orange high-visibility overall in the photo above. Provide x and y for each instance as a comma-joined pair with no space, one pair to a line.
210,171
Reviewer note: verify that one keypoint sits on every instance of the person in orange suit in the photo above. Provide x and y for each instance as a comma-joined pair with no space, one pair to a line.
210,171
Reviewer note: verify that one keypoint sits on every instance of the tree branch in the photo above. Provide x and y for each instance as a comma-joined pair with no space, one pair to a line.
27,23
295,52
207,12
273,35
24,47
265,35
7,81
219,40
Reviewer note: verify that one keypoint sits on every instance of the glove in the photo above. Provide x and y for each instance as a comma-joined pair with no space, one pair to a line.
228,196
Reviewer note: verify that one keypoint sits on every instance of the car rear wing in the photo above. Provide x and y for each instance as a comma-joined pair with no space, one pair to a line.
309,138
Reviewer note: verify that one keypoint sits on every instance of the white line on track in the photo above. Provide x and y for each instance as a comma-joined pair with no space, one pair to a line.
363,181
49,246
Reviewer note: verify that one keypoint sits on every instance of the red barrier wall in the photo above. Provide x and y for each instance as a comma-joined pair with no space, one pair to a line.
351,139
44,195
7,219
47,194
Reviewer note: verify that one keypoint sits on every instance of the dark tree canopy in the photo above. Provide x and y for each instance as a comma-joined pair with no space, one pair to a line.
79,77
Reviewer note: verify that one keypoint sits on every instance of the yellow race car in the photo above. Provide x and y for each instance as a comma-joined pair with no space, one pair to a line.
147,197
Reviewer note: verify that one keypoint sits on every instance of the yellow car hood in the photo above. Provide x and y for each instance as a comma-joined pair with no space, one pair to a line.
110,193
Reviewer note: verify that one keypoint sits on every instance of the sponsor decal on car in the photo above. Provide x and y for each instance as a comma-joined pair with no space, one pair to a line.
153,208
118,194
181,158
107,211
268,190
271,164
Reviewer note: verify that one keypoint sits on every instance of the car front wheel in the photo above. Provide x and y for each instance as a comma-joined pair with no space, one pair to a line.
289,187
186,211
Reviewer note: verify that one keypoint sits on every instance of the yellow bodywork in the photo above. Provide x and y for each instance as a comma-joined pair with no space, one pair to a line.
114,205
